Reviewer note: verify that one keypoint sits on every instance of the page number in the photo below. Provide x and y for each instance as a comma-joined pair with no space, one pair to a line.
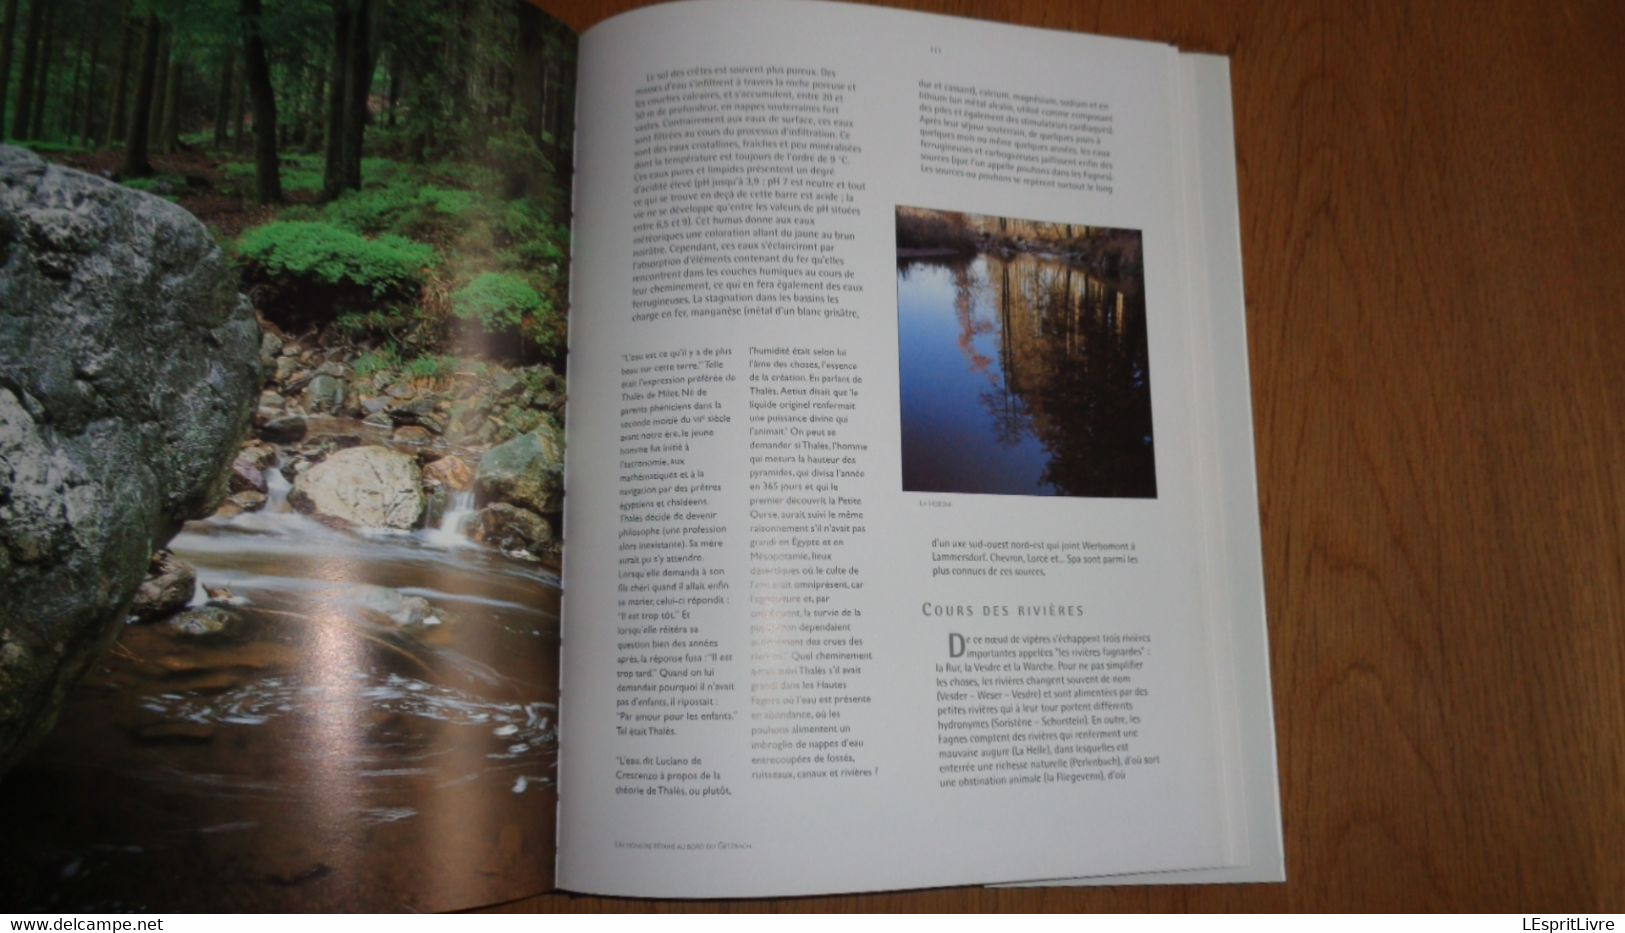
936,50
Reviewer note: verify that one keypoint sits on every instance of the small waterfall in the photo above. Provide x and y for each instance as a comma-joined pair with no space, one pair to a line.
200,596
449,533
459,511
276,487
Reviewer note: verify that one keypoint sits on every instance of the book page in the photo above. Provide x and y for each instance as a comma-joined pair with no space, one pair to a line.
887,563
1224,436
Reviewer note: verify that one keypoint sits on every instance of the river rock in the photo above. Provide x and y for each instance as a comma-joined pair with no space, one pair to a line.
259,454
501,384
205,623
223,594
248,500
423,411
284,369
510,528
383,605
527,471
452,472
270,349
412,434
168,587
131,367
467,416
246,474
370,486
288,430
325,392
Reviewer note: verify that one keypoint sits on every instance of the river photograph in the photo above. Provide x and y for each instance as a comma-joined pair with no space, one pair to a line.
1023,357
334,719
281,452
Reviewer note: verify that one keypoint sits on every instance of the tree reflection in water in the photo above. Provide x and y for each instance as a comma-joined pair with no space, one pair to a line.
1047,390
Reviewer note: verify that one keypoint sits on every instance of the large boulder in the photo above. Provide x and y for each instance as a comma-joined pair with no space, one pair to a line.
512,529
449,472
527,471
129,366
371,486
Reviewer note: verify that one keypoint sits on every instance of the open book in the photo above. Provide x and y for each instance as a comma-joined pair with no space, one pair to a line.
909,521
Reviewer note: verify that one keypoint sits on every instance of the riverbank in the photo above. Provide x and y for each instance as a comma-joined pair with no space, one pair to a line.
325,713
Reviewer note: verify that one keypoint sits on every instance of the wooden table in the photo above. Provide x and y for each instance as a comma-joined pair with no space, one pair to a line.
1433,226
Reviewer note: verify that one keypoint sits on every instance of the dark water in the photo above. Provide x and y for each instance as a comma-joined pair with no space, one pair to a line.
1023,376
324,756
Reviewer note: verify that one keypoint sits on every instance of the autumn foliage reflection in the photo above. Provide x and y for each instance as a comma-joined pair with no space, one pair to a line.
1047,389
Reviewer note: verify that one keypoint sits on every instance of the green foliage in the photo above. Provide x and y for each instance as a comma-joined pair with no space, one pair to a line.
301,174
377,170
331,255
497,300
516,420
540,381
299,212
389,320
463,215
516,150
47,147
386,358
300,179
239,175
154,183
373,211
431,366
462,172
400,206
503,302
166,186
536,238
448,200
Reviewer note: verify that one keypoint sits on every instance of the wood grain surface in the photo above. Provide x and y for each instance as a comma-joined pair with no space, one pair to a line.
1433,231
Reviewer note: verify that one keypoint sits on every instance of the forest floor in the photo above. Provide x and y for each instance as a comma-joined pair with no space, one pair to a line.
206,193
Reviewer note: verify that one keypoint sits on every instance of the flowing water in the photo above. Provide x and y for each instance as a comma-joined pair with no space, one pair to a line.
378,731
1023,375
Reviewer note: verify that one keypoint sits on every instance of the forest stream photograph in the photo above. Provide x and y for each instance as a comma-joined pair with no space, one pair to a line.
283,297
